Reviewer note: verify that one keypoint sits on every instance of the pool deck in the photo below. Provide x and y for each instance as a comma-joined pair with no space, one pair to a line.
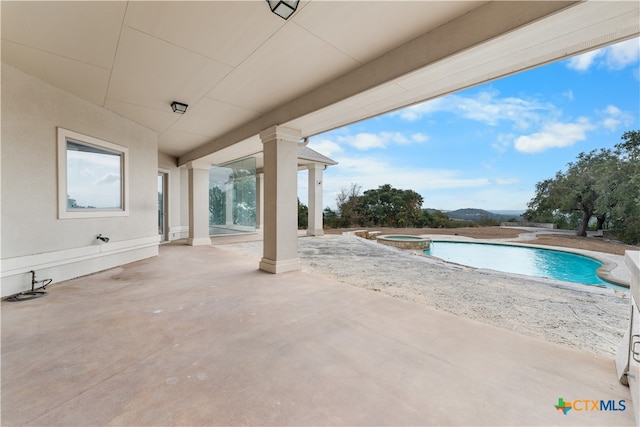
199,336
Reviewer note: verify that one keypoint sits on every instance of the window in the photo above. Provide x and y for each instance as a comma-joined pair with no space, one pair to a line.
232,197
92,177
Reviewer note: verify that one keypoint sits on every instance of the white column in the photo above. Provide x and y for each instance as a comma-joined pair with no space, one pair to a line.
314,227
280,146
259,200
198,203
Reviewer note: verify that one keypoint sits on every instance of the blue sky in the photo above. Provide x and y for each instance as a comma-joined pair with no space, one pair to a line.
486,147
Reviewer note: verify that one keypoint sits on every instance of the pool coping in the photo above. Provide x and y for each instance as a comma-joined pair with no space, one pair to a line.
407,241
604,271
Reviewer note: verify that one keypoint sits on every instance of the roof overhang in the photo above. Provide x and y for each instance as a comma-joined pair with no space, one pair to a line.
242,69
458,55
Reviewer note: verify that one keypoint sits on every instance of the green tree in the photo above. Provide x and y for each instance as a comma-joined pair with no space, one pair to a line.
624,194
440,220
602,184
576,190
390,207
347,202
217,206
425,220
303,216
542,207
330,218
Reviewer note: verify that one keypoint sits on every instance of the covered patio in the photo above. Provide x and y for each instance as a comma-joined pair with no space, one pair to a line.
182,340
138,333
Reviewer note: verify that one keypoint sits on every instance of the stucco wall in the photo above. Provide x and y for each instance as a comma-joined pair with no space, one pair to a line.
32,235
178,220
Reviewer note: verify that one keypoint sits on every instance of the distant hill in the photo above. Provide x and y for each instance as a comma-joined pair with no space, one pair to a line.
472,214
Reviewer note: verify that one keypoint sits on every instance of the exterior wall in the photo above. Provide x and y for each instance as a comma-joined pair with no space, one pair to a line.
33,238
178,221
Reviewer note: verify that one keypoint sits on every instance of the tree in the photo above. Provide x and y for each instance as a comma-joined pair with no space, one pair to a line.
330,218
624,197
583,186
303,216
602,184
347,201
390,207
440,220
542,206
576,190
217,206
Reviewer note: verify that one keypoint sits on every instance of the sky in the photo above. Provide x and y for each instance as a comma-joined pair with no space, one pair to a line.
93,179
487,146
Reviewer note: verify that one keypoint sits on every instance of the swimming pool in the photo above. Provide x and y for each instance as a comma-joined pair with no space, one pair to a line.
537,262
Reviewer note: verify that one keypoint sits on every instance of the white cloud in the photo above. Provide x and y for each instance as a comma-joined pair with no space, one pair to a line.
365,141
395,137
326,147
554,135
502,143
417,111
568,94
419,137
583,62
86,172
109,178
486,107
622,54
506,181
612,118
614,57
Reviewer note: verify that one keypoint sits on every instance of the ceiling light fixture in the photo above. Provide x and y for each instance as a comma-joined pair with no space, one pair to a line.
283,8
179,107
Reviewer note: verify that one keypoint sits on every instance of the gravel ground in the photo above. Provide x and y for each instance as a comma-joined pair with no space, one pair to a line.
585,317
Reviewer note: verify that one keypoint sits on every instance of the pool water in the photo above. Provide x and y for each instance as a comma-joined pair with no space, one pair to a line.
546,263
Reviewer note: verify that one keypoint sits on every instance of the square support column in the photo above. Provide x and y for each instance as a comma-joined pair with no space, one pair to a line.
314,227
280,199
198,203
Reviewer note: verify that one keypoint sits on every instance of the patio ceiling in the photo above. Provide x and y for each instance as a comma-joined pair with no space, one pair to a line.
242,69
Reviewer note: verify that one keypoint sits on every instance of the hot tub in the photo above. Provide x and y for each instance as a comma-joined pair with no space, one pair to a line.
402,241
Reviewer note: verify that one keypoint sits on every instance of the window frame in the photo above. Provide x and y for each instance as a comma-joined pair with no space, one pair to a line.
65,135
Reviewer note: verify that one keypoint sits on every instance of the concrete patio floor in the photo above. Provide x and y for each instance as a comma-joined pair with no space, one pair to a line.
199,336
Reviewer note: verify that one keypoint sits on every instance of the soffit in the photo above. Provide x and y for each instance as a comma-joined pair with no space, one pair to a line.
231,61
228,32
292,62
86,32
241,69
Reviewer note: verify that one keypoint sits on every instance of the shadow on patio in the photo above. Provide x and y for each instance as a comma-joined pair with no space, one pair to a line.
199,336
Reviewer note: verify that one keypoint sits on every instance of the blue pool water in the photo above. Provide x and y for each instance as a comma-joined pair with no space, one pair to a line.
547,263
